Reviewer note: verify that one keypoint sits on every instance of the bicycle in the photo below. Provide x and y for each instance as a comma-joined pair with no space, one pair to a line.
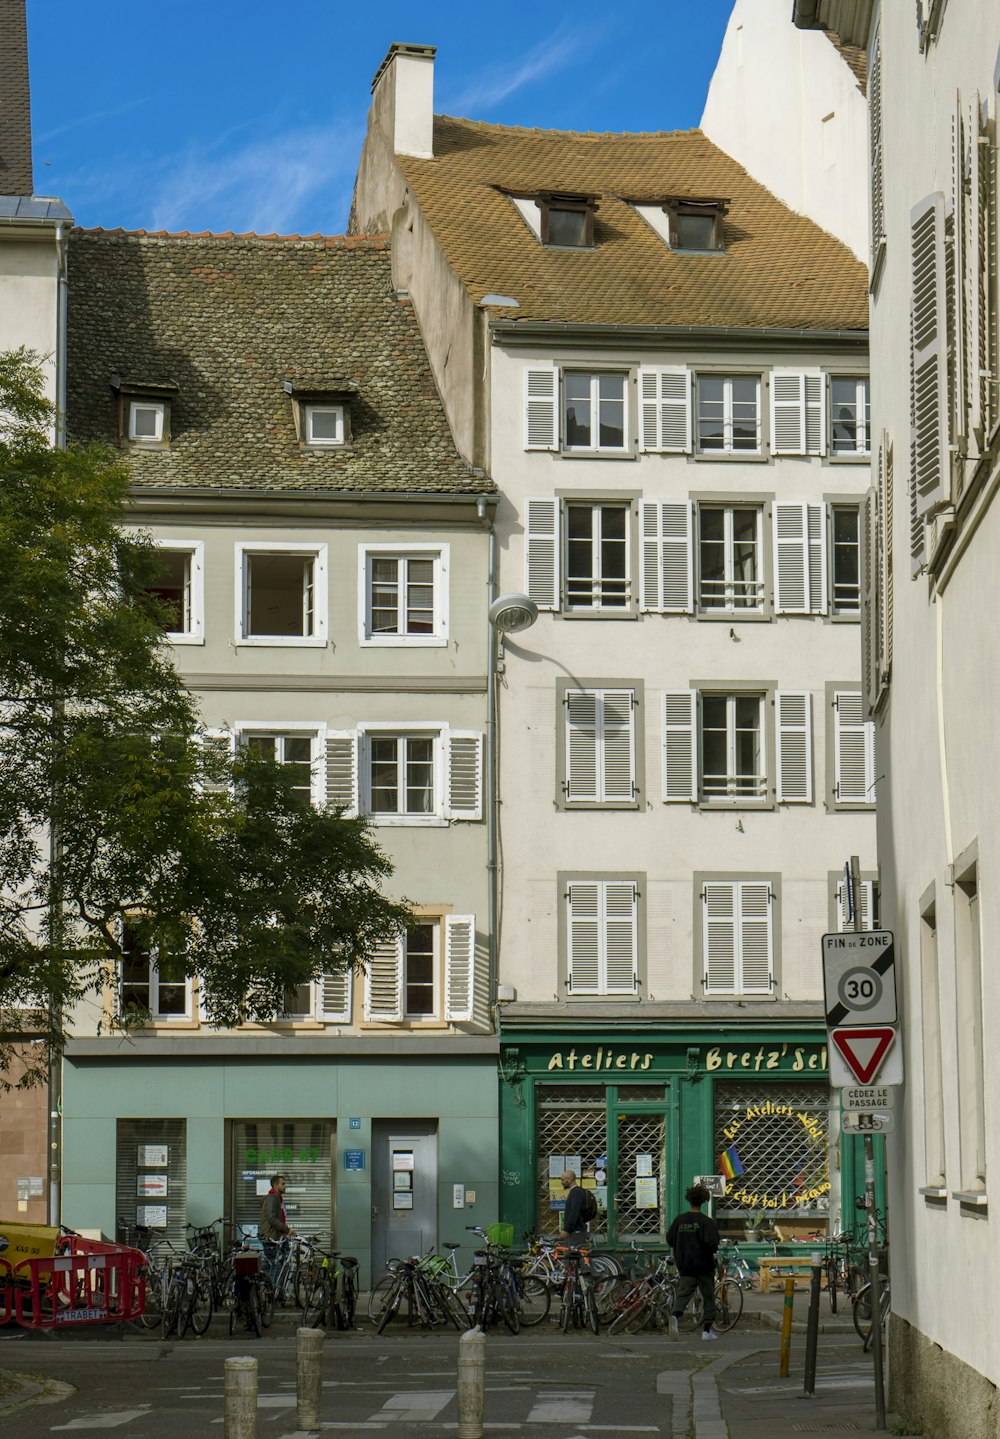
426,1301
728,1303
862,1310
188,1302
246,1294
645,1301
578,1302
332,1293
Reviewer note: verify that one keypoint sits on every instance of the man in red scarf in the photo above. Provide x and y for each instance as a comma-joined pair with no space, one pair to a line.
273,1226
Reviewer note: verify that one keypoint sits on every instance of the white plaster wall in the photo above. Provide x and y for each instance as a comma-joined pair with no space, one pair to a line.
785,104
29,299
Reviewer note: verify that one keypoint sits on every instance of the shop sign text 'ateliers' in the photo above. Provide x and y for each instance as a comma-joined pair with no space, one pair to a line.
794,1058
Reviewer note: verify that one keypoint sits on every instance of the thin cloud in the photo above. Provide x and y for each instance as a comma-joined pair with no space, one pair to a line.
82,120
499,82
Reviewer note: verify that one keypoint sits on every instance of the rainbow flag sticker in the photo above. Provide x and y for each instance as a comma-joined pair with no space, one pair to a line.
729,1163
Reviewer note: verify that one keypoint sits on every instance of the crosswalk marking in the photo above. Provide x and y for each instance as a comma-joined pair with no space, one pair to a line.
422,1405
563,1406
104,1421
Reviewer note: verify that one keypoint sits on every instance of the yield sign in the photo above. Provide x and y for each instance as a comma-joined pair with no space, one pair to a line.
864,1049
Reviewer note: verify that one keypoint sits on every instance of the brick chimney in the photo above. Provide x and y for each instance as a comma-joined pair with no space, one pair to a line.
15,102
403,99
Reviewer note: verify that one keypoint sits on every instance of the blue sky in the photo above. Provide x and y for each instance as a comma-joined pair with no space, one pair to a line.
247,115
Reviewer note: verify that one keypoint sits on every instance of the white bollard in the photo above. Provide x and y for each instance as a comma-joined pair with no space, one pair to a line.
308,1377
241,1399
471,1384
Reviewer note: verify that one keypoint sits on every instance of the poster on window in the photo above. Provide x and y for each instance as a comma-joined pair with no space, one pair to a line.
152,1156
557,1163
152,1215
151,1185
644,1165
645,1193
402,1159
402,1201
402,1180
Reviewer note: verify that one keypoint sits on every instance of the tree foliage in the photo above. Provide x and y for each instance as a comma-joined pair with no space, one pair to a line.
116,815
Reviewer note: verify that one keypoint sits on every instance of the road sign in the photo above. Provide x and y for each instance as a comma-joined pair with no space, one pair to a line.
859,978
875,1096
870,1121
858,1055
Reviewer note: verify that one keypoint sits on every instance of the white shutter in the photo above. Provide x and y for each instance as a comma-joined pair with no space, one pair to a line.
334,997
797,413
384,983
754,901
666,582
867,898
800,559
581,747
618,745
220,742
854,750
884,560
583,930
342,770
738,937
600,747
541,400
665,410
870,678
541,552
464,760
929,355
982,310
794,724
459,966
956,268
621,939
876,185
719,901
680,764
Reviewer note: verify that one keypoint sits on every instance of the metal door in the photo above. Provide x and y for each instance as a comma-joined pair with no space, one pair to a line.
404,1190
640,1175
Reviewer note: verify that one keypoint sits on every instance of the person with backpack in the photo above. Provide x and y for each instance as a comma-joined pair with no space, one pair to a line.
694,1238
580,1211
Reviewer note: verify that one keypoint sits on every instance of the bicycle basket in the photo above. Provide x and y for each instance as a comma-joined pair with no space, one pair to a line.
502,1234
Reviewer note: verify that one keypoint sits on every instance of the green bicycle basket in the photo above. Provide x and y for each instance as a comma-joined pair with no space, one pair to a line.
502,1234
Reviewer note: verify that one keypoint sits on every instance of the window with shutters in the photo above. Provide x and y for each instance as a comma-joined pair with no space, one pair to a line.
600,933
426,974
851,744
401,775
402,596
423,774
297,750
595,411
179,585
730,554
732,747
152,983
598,556
929,357
728,414
850,417
720,749
327,1000
845,560
737,936
798,418
598,746
281,594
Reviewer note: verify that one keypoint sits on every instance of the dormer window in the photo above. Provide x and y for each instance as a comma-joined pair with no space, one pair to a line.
321,411
695,224
324,425
145,421
143,412
567,221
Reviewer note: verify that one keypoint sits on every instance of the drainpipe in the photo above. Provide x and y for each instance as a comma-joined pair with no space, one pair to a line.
492,877
62,310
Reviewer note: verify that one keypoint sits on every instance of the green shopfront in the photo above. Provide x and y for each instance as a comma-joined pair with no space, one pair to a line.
639,1113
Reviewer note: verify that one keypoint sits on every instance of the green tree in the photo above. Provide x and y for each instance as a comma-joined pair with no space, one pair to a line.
118,819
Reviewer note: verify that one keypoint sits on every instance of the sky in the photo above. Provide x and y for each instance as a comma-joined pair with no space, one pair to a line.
249,115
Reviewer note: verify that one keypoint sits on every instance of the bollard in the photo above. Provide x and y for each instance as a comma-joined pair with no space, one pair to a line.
786,1326
241,1399
812,1327
308,1377
471,1384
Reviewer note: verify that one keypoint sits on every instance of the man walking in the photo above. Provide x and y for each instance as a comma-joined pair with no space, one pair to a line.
273,1226
694,1238
575,1224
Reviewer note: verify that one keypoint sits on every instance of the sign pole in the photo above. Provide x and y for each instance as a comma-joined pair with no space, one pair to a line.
874,1288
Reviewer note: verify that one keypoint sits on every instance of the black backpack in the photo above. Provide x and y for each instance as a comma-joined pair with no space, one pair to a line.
589,1211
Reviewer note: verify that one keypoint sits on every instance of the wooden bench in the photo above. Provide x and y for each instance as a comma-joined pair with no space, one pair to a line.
778,1267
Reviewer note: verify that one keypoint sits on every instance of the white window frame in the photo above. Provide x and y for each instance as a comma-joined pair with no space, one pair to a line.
195,590
307,729
323,442
595,376
840,610
155,1016
388,729
441,556
454,989
436,922
599,502
726,447
730,608
862,402
732,794
159,409
318,555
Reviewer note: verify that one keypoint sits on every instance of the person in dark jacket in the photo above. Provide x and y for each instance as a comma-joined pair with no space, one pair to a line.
273,1226
694,1238
575,1227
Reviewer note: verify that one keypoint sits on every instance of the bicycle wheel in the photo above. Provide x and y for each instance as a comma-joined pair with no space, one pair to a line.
605,1271
349,1295
200,1308
628,1312
265,1294
694,1315
506,1304
152,1309
589,1306
566,1307
314,1309
235,1312
377,1298
451,1307
863,1308
832,1280
390,1307
253,1318
534,1300
171,1307
728,1304
185,1307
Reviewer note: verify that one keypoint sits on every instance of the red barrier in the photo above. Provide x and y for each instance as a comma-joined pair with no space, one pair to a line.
6,1293
86,1283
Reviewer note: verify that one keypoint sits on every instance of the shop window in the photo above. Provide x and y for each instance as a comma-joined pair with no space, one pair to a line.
572,1134
151,1177
301,1150
773,1140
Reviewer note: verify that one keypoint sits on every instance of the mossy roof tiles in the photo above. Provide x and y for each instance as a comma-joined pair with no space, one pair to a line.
779,269
229,319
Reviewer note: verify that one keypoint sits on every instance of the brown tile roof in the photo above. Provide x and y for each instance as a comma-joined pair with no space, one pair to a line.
229,319
15,104
779,269
855,56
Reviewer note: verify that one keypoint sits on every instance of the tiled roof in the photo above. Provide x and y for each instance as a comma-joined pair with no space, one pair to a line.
15,106
779,269
855,56
229,319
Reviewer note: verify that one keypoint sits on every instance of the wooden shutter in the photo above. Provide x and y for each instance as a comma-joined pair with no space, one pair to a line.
798,420
854,750
464,760
665,410
719,901
875,162
541,552
884,560
334,993
738,937
800,559
755,937
384,983
955,267
459,966
600,747
541,409
602,933
342,770
666,564
929,354
871,688
220,743
581,783
621,970
980,307
680,762
867,898
794,726
583,929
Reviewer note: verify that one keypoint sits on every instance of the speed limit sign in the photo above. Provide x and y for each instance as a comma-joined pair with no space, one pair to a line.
859,978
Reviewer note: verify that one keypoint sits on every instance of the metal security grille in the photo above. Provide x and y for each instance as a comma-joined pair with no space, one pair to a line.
641,1172
151,1176
775,1140
301,1150
572,1125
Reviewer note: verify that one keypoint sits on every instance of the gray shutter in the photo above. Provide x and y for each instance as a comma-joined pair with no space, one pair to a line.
541,552
719,942
583,933
581,747
929,356
867,898
854,746
877,187
541,401
665,410
464,760
384,983
459,966
334,997
621,938
666,582
342,770
680,765
794,725
755,937
884,560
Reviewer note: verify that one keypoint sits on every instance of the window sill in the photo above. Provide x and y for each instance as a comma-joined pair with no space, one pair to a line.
863,457
934,1194
413,1025
407,821
598,454
729,457
283,642
182,639
971,1198
846,617
403,642
847,807
582,806
729,617
737,802
625,613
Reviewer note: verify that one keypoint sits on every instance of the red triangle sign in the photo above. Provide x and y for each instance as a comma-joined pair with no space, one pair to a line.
863,1050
